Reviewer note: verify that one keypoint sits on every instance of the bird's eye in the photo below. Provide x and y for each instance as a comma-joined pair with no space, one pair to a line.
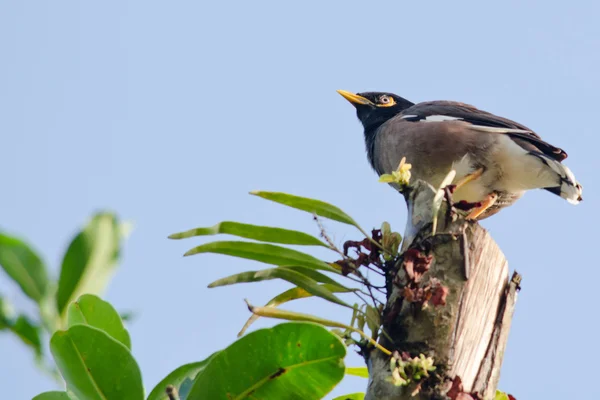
386,101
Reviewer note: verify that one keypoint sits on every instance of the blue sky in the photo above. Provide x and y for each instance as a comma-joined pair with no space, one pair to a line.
169,113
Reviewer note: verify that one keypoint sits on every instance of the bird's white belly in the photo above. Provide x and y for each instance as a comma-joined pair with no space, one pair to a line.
473,191
510,168
517,170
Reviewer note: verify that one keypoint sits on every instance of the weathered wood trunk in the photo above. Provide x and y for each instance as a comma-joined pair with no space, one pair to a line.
461,277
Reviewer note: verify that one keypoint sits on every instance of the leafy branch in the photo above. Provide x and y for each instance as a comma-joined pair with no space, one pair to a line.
376,253
86,267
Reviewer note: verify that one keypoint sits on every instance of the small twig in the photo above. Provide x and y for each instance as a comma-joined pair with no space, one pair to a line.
325,236
293,316
332,245
353,279
362,282
362,298
374,270
417,389
367,294
375,300
368,285
362,279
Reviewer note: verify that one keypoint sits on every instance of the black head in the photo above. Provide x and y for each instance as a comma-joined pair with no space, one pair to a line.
374,108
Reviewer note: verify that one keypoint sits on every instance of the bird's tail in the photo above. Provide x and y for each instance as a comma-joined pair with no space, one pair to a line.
567,186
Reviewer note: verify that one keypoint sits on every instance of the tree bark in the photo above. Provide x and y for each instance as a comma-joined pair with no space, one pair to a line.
449,298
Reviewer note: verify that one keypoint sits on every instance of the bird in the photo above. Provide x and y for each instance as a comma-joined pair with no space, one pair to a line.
496,159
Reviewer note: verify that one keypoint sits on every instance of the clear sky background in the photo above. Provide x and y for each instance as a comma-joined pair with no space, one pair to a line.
170,112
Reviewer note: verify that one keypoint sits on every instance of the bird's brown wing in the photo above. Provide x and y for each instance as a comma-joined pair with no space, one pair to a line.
485,121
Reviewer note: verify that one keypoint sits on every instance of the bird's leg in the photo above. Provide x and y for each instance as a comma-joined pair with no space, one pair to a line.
461,205
484,205
466,179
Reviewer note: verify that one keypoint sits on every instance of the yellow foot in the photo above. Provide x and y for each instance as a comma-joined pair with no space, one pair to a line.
485,204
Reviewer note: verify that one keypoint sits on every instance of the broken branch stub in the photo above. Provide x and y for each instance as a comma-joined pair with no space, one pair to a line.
433,309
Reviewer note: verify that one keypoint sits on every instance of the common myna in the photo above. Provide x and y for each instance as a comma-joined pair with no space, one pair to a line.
496,159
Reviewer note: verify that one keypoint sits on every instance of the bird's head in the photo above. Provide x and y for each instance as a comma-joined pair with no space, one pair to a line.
374,108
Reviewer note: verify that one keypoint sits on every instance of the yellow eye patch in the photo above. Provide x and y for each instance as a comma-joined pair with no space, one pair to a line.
385,101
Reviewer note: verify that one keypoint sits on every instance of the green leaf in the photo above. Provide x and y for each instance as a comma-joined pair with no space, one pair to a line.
266,253
501,396
312,206
363,372
300,358
6,314
47,311
93,311
293,316
182,378
289,275
314,274
52,396
96,366
390,241
387,178
29,333
360,321
293,294
373,319
90,260
271,312
353,396
256,232
24,266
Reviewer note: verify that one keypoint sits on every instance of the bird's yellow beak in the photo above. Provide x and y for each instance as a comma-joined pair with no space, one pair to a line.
354,98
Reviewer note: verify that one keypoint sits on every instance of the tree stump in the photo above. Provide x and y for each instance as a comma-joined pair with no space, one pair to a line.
449,298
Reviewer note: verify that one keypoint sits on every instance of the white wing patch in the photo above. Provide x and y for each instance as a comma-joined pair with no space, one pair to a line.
492,129
431,118
440,118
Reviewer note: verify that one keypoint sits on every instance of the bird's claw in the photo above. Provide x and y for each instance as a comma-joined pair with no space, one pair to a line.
461,205
466,206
